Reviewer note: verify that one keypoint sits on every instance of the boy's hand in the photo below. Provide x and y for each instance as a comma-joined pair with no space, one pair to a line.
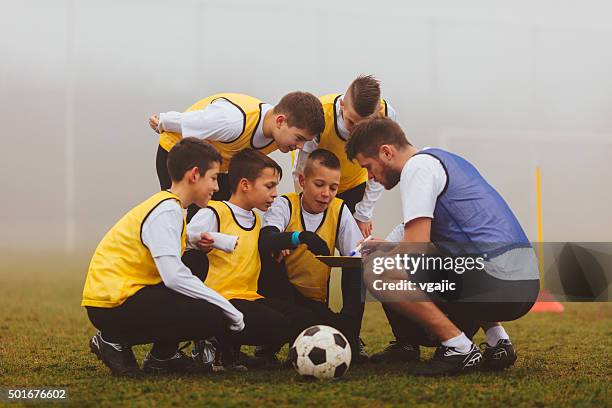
365,227
154,122
282,254
314,243
206,242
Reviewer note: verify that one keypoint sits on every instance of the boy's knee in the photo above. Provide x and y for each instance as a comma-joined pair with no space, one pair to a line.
301,317
278,321
306,318
197,262
209,317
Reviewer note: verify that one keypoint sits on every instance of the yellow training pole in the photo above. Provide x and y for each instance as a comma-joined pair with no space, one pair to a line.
545,303
538,174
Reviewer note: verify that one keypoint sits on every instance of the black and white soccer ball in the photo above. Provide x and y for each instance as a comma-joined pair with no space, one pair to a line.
321,352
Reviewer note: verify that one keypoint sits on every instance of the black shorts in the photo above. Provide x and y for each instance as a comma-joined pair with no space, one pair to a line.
479,286
479,298
158,314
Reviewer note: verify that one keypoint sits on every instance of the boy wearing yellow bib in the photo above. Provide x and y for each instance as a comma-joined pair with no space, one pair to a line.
137,289
233,122
234,273
342,113
312,223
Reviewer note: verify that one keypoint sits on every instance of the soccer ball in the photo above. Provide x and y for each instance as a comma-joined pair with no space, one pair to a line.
321,352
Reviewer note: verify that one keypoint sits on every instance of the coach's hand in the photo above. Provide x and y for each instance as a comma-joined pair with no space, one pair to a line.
154,122
206,242
314,243
365,227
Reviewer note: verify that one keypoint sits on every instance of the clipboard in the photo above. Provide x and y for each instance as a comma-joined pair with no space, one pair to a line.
341,261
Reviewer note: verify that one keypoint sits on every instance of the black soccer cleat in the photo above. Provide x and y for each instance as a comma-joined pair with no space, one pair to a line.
229,358
265,357
179,363
449,361
498,357
361,357
396,352
203,354
119,358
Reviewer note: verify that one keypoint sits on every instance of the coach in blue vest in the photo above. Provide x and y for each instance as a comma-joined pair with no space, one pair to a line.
446,201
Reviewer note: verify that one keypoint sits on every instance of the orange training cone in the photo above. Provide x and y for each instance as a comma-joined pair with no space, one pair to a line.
546,304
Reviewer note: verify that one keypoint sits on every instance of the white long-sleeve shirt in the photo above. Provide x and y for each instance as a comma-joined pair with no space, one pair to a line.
221,121
205,220
365,208
161,233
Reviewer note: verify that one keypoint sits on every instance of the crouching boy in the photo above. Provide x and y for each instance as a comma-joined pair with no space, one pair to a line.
253,179
315,222
137,289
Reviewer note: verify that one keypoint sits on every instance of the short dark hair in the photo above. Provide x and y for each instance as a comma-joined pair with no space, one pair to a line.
364,95
323,157
249,164
303,110
188,153
367,137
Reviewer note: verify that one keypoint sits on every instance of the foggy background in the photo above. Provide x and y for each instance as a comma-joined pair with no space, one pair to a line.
508,85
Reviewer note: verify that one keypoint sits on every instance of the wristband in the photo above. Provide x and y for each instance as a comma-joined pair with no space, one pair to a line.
295,239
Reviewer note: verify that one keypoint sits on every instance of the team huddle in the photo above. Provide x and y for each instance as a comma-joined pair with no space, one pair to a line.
195,262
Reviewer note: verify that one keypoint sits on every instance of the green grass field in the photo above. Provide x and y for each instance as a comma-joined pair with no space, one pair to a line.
563,359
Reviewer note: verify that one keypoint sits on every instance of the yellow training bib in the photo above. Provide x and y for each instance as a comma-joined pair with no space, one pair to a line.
251,111
309,275
122,264
352,173
235,275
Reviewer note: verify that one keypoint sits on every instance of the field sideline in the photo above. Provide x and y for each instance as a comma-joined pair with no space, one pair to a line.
564,360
